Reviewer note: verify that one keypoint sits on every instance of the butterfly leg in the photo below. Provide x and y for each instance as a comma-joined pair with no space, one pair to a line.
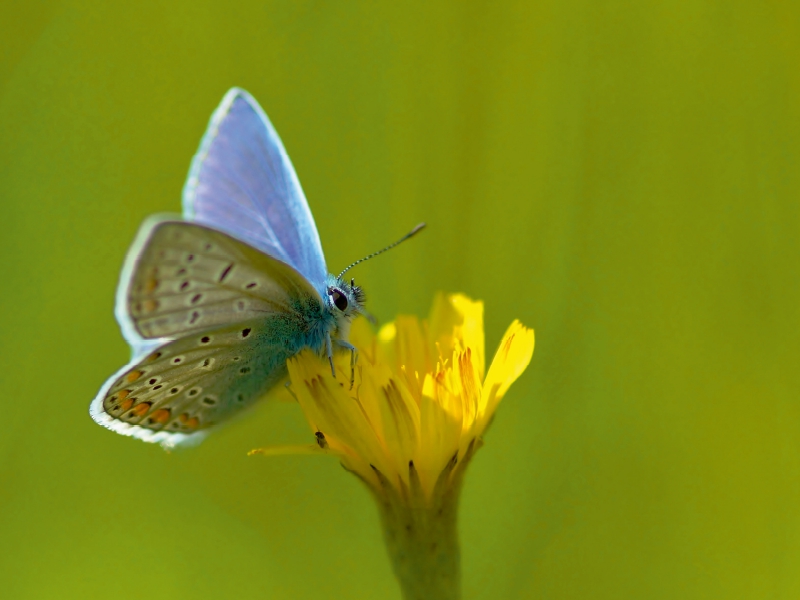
353,359
329,348
288,386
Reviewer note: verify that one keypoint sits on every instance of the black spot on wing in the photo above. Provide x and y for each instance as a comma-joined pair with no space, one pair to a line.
225,272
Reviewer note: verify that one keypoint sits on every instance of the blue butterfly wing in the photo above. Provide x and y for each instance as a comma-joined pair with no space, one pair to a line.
242,182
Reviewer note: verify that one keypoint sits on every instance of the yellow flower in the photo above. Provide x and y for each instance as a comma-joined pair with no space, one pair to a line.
414,417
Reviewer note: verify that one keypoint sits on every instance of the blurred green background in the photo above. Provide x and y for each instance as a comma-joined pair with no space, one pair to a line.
622,176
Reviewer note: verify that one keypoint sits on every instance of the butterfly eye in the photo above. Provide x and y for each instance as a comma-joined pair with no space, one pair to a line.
339,299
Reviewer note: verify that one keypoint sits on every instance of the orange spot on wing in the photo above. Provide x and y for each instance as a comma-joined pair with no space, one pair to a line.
161,415
151,285
141,409
122,394
153,356
150,305
125,405
189,421
133,376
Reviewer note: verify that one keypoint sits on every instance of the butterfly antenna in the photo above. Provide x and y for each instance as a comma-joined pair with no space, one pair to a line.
389,247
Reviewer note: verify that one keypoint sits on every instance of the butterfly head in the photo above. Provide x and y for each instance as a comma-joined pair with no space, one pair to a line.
345,299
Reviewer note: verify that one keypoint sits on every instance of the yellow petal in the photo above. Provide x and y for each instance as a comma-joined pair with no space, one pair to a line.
329,409
363,338
288,449
512,357
440,432
469,388
456,320
411,348
401,426
387,333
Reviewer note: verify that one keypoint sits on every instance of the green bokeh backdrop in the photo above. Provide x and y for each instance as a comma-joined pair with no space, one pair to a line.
622,176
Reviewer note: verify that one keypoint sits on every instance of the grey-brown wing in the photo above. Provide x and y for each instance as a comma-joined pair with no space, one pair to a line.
181,278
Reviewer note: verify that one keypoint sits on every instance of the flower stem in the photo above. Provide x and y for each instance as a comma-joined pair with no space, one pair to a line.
423,547
420,530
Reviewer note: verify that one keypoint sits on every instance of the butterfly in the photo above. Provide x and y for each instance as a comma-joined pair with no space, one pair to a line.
214,303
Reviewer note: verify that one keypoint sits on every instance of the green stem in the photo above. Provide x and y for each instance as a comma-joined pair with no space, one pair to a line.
421,532
423,547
